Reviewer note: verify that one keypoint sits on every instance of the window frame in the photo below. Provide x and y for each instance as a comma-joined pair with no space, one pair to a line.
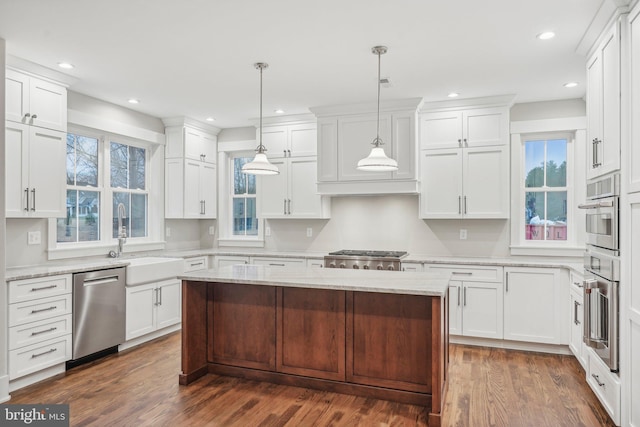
154,158
227,151
574,130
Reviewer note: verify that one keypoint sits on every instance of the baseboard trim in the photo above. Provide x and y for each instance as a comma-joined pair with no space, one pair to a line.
511,345
37,376
148,337
4,389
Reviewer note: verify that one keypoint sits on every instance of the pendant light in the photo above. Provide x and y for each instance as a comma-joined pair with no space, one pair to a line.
377,161
260,164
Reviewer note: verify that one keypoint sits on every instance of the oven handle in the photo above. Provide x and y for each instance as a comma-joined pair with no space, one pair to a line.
602,204
598,342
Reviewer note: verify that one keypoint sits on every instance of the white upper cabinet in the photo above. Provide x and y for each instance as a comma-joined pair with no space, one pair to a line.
191,143
190,170
464,162
603,105
35,172
297,140
293,192
345,136
465,183
35,102
477,127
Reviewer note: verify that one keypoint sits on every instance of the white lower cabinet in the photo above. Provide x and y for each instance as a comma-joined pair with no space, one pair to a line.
412,266
475,299
535,305
576,327
40,325
152,307
226,260
196,263
605,384
278,262
315,263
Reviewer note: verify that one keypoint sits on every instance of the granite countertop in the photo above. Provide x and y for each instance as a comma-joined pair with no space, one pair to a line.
408,283
30,272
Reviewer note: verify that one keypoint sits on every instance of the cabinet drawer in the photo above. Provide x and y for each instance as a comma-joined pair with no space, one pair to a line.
605,385
36,332
196,263
36,357
44,308
467,273
30,289
279,262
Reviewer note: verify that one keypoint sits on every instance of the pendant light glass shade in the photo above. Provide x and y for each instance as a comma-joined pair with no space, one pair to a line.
377,161
260,165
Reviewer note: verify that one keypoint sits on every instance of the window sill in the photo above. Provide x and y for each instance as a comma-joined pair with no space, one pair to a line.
541,250
241,243
80,251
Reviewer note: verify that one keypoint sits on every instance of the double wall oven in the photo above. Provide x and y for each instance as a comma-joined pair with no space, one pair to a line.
602,269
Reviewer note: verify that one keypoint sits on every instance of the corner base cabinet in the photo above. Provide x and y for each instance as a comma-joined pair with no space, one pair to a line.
381,345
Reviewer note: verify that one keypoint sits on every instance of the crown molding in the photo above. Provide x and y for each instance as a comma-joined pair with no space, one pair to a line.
368,107
188,121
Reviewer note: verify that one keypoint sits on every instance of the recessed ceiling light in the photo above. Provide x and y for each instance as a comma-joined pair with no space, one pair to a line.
453,95
571,84
210,119
65,65
546,35
133,101
279,111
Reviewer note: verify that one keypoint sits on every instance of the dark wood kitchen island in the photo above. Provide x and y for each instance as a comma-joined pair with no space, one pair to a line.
380,334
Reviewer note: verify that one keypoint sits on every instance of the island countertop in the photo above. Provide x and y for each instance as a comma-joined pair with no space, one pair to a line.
392,282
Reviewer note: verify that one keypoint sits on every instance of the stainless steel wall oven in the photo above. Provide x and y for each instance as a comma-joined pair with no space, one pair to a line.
601,313
602,269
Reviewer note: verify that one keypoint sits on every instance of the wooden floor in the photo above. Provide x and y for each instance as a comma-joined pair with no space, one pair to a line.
487,387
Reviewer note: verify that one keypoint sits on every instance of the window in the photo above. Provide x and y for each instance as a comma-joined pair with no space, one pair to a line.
82,223
545,189
101,176
128,184
243,196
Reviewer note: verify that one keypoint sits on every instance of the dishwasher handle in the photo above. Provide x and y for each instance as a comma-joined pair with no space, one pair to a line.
101,280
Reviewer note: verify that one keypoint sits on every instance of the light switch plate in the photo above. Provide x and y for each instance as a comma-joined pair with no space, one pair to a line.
34,238
267,231
167,232
309,231
212,230
463,234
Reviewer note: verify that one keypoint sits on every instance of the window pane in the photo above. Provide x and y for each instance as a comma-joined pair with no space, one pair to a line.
82,223
137,160
535,228
67,228
138,215
86,161
117,199
119,165
252,220
251,184
71,159
557,163
238,217
534,163
239,178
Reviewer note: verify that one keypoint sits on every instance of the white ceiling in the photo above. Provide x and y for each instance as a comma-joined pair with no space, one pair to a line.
195,57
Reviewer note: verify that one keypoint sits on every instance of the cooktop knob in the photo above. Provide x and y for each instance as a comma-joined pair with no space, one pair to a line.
366,267
391,268
380,267
356,266
343,265
332,265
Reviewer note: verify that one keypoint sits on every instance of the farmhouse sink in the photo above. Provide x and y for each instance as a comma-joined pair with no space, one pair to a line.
152,269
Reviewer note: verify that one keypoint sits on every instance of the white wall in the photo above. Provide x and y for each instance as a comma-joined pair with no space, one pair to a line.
548,110
389,223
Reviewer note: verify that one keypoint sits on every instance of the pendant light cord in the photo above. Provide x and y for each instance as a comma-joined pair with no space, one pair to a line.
377,141
261,148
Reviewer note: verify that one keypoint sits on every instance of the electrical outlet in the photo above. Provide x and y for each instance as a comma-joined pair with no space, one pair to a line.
212,230
309,231
267,231
463,234
33,238
167,232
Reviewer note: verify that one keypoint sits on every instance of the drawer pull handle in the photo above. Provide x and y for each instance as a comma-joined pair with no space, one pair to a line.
33,356
43,288
578,284
597,378
193,264
43,309
462,273
43,332
276,264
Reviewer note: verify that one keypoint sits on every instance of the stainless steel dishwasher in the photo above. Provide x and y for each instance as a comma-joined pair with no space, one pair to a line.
98,311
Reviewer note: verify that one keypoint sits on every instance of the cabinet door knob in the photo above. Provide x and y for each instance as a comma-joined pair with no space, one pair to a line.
459,142
35,116
27,115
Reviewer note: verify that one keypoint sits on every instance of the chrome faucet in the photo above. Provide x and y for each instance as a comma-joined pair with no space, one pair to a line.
122,230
